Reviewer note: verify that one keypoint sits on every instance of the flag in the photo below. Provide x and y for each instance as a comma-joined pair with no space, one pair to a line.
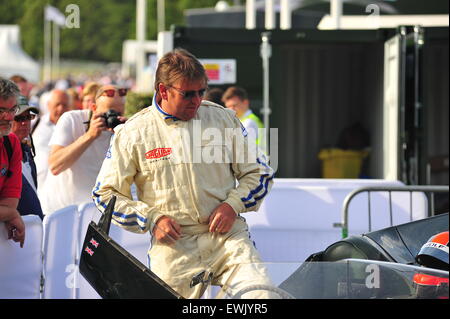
53,14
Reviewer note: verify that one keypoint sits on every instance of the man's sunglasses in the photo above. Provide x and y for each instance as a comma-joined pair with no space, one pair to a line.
188,95
112,92
24,118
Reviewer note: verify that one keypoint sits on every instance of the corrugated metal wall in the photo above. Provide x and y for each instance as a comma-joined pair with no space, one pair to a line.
436,103
325,88
323,81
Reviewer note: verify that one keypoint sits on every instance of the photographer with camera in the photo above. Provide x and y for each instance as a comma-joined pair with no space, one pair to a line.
79,144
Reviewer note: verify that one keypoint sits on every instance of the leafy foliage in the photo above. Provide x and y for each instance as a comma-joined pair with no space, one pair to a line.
136,102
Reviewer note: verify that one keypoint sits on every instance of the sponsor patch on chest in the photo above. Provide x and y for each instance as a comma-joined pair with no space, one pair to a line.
158,153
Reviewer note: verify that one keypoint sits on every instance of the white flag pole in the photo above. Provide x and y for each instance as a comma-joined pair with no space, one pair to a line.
55,57
336,12
250,15
51,46
47,51
270,17
161,16
141,28
285,15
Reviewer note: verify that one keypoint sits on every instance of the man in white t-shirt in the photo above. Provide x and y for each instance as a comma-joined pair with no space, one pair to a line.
79,144
58,104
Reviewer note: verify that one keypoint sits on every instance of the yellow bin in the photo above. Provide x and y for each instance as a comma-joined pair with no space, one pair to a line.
338,163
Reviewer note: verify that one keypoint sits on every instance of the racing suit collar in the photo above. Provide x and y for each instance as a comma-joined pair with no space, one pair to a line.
166,116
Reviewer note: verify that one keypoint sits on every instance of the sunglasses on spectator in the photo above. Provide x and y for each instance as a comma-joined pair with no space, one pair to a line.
112,92
188,95
11,111
23,118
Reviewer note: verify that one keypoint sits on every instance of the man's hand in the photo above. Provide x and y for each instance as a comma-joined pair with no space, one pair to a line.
16,229
166,230
222,219
96,126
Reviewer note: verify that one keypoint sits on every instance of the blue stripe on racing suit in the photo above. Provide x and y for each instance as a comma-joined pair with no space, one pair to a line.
250,200
119,214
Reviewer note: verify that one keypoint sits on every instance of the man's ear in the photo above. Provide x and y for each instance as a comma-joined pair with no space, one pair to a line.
93,107
162,91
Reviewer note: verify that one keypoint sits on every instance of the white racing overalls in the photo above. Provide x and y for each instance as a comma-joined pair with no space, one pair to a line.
184,170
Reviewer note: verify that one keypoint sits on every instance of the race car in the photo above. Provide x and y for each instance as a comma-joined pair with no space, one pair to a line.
405,261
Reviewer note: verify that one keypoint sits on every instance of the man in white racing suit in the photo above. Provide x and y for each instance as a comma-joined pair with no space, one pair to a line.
191,189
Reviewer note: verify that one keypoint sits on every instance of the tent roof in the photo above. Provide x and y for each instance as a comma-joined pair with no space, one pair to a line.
13,60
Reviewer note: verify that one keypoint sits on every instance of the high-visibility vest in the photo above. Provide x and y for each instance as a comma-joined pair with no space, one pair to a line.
258,122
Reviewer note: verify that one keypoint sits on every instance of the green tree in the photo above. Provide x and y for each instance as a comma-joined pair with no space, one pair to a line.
104,25
32,27
11,11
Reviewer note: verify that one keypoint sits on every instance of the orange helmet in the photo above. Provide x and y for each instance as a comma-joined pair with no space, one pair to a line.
434,253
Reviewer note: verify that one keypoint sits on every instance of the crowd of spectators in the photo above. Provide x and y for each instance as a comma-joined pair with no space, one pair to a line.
61,133
60,123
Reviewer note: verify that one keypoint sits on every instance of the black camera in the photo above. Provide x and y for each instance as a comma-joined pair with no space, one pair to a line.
111,119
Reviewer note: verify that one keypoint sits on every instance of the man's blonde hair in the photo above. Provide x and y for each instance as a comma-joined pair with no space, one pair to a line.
179,64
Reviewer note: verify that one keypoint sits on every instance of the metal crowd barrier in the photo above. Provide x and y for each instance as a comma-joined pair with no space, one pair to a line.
428,190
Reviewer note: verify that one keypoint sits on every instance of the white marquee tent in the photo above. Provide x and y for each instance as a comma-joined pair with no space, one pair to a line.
13,60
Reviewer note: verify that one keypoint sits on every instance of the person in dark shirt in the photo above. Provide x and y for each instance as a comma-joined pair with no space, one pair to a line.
29,202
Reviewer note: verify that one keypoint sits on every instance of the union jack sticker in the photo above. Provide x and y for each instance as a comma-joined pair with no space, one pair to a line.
89,251
94,242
